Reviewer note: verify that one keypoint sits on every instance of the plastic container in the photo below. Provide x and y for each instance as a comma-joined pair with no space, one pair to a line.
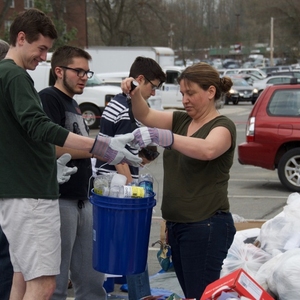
129,191
146,181
101,185
118,180
121,231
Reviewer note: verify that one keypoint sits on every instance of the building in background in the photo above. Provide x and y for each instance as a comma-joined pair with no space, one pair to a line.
71,13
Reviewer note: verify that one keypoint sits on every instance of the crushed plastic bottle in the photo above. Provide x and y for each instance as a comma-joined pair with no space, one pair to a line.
101,185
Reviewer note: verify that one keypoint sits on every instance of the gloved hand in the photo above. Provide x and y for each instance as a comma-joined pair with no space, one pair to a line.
112,150
144,136
63,172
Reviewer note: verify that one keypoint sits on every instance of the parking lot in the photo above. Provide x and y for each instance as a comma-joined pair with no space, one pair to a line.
254,193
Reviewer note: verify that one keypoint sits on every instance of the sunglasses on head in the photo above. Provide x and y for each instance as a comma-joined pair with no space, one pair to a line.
149,154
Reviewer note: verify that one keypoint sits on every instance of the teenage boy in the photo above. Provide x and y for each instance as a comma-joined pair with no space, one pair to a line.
29,214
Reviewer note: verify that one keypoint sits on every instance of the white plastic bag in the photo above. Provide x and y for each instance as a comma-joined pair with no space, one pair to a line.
284,282
281,233
266,270
246,256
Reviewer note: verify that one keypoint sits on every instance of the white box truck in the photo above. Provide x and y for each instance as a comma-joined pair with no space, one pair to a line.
119,59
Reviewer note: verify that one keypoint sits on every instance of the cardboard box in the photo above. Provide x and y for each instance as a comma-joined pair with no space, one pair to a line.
238,281
249,224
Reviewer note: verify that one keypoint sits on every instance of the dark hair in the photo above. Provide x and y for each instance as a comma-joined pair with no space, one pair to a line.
32,22
3,49
148,67
149,152
205,76
63,56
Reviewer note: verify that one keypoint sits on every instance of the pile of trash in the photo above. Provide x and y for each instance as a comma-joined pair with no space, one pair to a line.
271,254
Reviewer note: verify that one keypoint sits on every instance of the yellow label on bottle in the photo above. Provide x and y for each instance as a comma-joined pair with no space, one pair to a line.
103,191
134,191
138,192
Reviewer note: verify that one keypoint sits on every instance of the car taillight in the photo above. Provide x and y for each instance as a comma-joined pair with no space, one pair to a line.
250,129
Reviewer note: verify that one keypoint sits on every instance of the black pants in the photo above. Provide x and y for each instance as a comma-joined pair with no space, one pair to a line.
6,268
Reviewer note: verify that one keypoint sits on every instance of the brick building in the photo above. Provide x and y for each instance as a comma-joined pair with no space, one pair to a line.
73,15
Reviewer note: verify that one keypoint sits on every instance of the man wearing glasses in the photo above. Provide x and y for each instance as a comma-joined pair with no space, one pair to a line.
70,67
117,119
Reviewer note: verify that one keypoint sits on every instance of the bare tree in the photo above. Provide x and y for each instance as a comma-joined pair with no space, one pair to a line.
129,22
286,26
6,6
3,13
57,8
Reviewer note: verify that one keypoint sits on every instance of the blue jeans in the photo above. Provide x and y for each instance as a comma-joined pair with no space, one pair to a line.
138,285
6,268
198,250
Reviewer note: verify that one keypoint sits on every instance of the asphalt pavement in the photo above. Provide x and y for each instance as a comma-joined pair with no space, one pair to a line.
254,193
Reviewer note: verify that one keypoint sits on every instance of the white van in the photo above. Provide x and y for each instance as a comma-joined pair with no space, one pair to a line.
168,96
95,95
255,71
169,92
91,102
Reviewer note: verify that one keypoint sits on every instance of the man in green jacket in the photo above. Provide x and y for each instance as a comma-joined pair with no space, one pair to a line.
29,214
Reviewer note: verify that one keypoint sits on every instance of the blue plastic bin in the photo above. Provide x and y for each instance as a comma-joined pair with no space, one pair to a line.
121,231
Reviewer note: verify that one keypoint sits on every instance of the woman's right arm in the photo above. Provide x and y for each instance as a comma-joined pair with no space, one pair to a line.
141,111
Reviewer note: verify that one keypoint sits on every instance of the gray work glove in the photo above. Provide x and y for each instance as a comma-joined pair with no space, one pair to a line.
112,150
63,172
145,135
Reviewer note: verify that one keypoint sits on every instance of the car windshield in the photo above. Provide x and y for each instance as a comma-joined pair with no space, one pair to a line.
94,81
239,82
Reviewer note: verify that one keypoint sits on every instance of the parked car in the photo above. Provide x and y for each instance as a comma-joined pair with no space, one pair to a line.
273,133
241,91
115,79
294,73
91,102
263,83
230,62
255,71
269,70
250,78
95,96
169,91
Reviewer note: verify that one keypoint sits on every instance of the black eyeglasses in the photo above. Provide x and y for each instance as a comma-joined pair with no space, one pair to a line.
149,154
80,72
153,86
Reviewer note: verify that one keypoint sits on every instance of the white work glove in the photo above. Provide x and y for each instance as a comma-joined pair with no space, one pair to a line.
144,136
112,150
63,172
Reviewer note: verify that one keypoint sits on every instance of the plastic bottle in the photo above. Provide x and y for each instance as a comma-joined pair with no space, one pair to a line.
101,185
146,181
129,191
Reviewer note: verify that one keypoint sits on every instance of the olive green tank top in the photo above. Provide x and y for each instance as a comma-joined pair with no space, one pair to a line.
195,189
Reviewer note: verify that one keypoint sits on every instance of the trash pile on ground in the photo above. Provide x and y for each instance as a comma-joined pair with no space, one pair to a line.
270,254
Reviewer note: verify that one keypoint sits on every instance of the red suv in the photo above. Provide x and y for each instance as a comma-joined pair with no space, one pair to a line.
273,133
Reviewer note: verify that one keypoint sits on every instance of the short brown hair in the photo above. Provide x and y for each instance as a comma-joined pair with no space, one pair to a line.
32,22
63,56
